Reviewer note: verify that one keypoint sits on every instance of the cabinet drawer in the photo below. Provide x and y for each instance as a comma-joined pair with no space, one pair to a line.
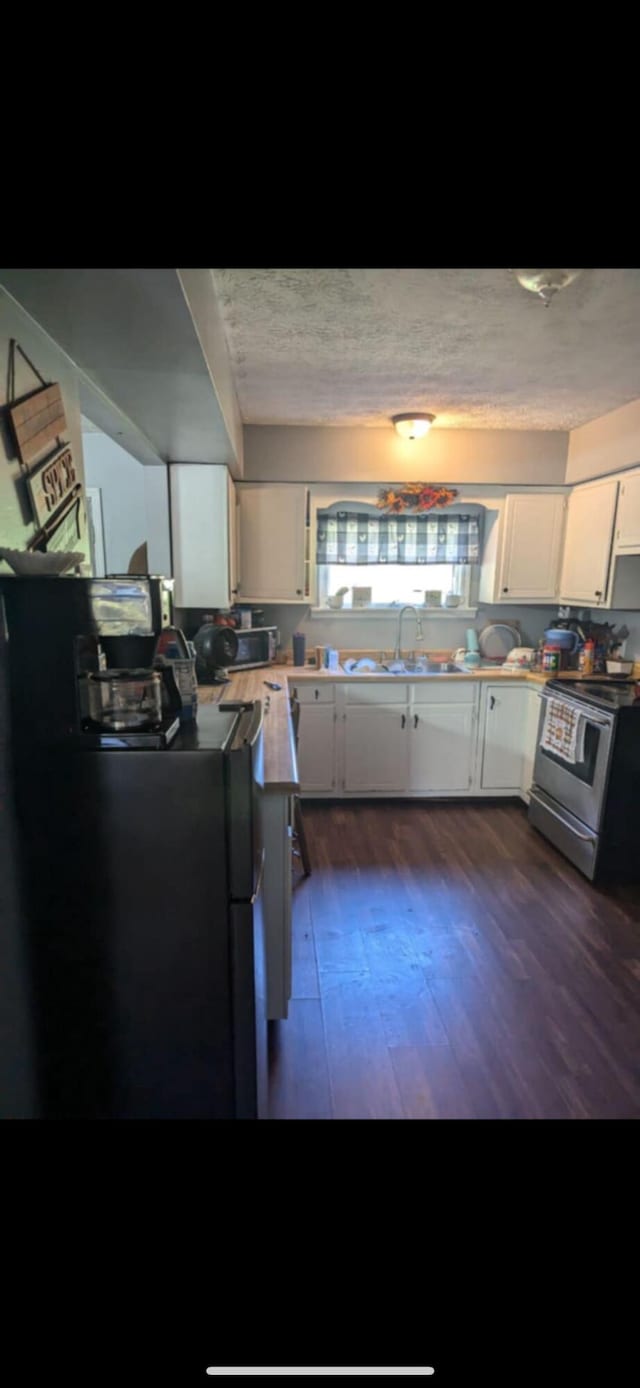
442,691
312,693
375,693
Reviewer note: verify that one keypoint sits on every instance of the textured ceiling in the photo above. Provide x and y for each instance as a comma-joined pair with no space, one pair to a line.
352,347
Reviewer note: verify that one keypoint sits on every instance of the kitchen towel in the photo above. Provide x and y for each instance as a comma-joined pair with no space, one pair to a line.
563,731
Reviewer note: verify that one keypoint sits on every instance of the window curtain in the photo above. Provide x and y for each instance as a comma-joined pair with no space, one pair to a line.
353,537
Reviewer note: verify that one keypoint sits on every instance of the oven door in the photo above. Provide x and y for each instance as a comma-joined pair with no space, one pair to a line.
580,786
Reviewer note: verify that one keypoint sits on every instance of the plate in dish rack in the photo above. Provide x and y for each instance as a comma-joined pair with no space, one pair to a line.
497,640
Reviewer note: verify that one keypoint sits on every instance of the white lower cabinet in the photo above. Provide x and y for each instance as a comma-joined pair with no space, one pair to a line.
505,719
442,738
316,747
376,747
530,738
316,736
435,738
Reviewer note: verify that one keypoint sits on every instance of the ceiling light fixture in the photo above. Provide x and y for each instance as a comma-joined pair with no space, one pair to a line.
545,283
412,426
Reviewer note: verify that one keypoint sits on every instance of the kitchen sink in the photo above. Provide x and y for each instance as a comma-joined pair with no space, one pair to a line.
426,667
418,668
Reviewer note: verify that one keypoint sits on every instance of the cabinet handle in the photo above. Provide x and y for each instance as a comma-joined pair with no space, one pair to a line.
492,701
505,590
404,721
299,592
598,592
315,693
415,720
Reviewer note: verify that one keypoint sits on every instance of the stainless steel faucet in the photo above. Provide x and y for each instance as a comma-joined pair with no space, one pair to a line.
419,632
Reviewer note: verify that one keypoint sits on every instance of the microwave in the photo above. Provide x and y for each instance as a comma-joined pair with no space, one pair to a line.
256,646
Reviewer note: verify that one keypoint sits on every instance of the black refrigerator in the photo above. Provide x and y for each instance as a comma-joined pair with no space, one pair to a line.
137,899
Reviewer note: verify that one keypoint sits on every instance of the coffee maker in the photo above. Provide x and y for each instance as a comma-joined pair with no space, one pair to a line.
81,657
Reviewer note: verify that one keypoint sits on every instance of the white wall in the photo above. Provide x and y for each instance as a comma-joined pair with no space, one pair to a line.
121,481
308,454
605,445
379,633
17,526
156,501
135,504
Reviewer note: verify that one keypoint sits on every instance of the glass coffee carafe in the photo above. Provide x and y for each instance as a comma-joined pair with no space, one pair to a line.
125,700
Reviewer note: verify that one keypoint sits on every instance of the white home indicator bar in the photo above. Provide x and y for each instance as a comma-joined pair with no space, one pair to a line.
389,1372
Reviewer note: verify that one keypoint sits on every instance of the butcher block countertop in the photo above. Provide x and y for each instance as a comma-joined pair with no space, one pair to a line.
280,764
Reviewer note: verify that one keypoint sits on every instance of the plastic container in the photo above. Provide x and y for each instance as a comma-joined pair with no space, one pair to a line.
184,669
562,640
551,658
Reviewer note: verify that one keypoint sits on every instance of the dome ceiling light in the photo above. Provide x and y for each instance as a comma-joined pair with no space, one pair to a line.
412,426
545,283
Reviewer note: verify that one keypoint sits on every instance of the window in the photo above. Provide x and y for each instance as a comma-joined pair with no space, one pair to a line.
394,559
393,583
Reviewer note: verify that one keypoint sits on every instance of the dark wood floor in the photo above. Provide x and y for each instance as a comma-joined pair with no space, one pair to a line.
449,963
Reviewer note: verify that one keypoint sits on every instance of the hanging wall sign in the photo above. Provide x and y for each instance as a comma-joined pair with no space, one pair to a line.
50,485
37,423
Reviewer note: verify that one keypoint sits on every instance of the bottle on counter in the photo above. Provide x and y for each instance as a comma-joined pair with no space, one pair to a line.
586,657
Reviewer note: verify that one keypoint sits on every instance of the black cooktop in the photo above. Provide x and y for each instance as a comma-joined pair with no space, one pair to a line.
616,695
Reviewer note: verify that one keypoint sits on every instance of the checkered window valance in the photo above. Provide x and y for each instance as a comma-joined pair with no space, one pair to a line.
354,537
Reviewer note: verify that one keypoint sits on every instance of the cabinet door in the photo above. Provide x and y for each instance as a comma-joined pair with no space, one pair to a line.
232,522
316,747
441,747
587,546
530,739
628,517
272,543
533,526
200,534
376,747
504,734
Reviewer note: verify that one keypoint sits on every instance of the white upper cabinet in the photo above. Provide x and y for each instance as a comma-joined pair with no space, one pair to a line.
523,548
202,534
532,544
272,543
587,545
628,517
233,518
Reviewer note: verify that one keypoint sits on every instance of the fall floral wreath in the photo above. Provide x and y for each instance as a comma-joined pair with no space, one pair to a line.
414,496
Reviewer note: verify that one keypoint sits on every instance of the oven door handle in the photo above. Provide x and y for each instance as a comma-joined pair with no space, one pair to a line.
588,838
591,718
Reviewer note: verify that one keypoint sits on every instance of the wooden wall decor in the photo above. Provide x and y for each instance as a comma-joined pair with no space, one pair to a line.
37,421
50,484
